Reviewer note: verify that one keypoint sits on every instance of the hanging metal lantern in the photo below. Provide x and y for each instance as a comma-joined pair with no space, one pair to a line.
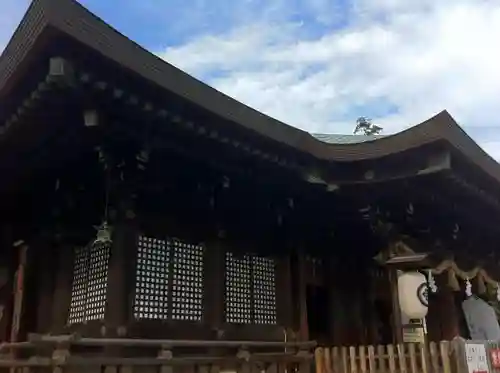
103,234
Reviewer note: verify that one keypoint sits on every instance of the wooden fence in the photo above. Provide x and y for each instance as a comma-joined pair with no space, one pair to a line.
402,358
71,354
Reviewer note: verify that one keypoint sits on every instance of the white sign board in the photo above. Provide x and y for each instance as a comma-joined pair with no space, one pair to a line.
475,355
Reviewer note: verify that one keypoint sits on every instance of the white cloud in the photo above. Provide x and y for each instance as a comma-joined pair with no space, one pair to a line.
419,56
492,148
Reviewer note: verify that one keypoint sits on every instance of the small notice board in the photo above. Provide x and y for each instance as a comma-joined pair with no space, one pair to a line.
476,358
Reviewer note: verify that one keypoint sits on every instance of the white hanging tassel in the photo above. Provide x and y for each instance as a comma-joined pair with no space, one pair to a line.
431,282
498,292
468,288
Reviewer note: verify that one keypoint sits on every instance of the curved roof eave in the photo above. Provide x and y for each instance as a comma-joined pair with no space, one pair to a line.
71,18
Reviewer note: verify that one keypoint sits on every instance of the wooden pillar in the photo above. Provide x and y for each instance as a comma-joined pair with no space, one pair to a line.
443,318
7,271
63,255
214,287
302,296
17,328
433,319
397,326
332,283
448,312
121,274
44,282
6,302
370,311
343,301
117,303
284,292
123,168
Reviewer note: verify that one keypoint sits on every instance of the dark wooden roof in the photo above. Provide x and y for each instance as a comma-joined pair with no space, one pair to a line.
70,18
336,138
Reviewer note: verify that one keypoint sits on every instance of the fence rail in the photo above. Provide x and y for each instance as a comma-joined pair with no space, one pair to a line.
401,358
71,354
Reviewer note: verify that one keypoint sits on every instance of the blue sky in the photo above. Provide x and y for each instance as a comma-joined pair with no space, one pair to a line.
320,64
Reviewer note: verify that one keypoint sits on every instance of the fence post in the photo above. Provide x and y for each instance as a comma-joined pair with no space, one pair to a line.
413,357
381,358
434,356
459,365
352,359
336,366
362,359
318,359
424,358
165,355
345,360
392,359
402,358
328,360
444,348
371,359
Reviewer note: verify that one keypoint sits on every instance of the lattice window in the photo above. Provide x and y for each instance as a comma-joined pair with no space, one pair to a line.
79,289
152,279
264,290
187,281
250,289
238,289
90,282
97,282
169,280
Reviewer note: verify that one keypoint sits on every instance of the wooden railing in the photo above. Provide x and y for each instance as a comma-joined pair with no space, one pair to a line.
70,354
403,358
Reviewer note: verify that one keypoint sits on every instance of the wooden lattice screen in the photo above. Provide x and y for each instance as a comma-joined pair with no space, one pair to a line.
169,280
250,289
90,282
152,275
